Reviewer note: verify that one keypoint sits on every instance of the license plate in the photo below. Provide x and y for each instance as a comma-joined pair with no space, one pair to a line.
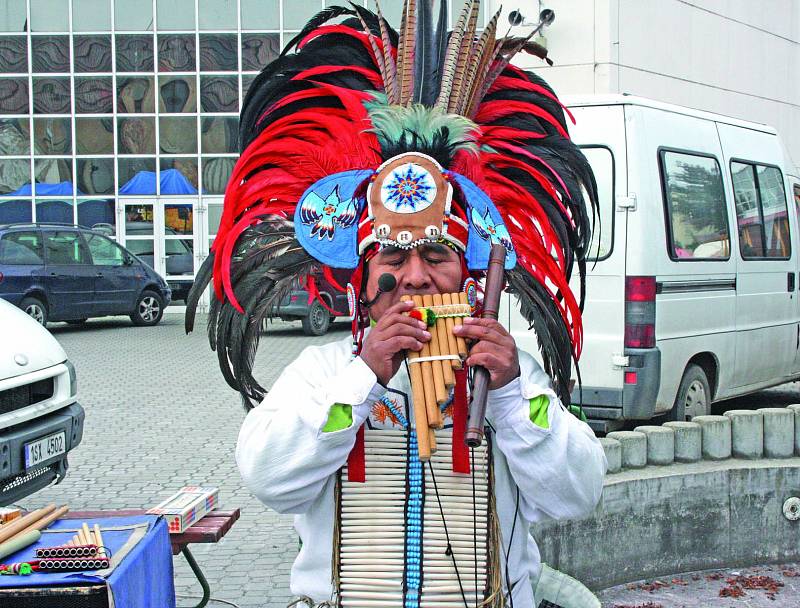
45,448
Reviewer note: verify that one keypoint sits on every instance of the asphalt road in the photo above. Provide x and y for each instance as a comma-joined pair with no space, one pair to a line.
159,416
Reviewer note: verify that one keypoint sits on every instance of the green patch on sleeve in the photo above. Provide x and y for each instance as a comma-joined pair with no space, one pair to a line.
577,411
538,411
340,417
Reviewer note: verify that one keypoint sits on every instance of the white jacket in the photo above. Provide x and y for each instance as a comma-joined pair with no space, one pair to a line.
290,464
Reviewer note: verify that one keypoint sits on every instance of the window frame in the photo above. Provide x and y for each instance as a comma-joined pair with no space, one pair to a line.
754,166
40,247
81,243
87,235
589,257
660,153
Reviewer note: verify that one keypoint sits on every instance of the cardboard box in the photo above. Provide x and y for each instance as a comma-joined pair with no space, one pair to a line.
187,506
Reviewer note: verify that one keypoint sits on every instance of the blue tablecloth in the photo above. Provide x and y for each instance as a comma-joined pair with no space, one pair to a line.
142,579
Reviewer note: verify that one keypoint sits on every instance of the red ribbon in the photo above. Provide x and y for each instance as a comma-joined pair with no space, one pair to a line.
460,450
356,465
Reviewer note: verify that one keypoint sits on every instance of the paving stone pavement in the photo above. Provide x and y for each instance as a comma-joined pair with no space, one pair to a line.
160,416
776,586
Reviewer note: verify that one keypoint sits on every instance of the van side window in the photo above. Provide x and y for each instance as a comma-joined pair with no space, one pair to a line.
602,162
21,248
695,205
761,211
104,252
65,248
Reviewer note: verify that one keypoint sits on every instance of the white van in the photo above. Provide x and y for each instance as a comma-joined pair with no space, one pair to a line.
694,294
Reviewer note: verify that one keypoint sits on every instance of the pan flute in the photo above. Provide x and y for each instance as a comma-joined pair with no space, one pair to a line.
431,369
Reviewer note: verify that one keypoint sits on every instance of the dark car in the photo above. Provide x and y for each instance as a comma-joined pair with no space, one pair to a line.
315,317
60,272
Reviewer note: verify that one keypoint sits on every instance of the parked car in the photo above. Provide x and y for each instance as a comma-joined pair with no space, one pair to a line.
59,272
41,420
316,319
693,296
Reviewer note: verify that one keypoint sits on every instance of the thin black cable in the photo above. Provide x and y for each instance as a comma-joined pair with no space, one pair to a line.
474,522
508,551
449,551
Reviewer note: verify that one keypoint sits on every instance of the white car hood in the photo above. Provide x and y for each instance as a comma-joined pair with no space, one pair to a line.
23,339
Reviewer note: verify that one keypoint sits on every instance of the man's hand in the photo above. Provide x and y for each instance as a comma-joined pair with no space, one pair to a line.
494,349
394,333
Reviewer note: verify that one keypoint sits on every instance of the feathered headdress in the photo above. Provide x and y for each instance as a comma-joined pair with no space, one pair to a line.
357,136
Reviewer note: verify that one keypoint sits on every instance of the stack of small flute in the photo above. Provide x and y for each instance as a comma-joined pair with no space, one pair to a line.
431,369
22,532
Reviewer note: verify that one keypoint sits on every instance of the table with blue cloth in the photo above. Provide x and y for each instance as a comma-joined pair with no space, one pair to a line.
140,574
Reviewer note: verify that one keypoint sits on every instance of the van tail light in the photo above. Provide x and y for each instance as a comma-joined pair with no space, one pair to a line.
640,312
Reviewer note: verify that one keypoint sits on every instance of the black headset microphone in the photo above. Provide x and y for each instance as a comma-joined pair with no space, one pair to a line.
386,283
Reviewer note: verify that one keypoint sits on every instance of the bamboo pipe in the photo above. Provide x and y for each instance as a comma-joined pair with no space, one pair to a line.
98,537
47,520
418,396
452,345
462,344
427,376
444,346
438,376
22,523
87,533
19,542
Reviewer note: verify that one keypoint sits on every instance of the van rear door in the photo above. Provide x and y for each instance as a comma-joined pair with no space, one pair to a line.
600,132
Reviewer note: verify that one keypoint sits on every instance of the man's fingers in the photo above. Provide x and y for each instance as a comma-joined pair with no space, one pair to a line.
390,320
492,323
484,332
403,329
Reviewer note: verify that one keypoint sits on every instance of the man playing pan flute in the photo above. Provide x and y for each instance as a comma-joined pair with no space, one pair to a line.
407,155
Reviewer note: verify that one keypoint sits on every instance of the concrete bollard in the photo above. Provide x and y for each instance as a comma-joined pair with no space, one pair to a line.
795,407
688,440
634,448
613,450
660,444
747,433
716,432
778,432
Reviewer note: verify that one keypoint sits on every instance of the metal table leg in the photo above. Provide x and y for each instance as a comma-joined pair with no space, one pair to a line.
198,572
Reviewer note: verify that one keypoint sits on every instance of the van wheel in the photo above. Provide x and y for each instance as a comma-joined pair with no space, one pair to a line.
149,309
694,395
317,321
36,309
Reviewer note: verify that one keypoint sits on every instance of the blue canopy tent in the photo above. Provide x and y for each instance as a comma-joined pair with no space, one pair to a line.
172,182
60,189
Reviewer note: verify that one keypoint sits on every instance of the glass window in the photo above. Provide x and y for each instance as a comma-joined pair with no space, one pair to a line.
176,53
602,163
216,173
259,49
52,136
95,176
50,54
91,15
133,15
177,94
218,52
14,96
135,95
219,134
14,211
92,53
138,220
761,211
64,248
51,210
51,95
696,209
296,14
14,53
219,93
136,135
217,14
49,16
141,247
53,176
246,82
177,134
214,217
13,16
15,177
178,176
137,175
260,15
94,135
14,137
98,214
104,252
134,53
93,95
175,15
178,218
21,248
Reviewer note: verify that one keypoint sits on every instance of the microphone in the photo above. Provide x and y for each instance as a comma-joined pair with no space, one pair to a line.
386,283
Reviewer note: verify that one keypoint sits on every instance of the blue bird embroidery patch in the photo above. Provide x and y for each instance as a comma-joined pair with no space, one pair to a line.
488,230
325,214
